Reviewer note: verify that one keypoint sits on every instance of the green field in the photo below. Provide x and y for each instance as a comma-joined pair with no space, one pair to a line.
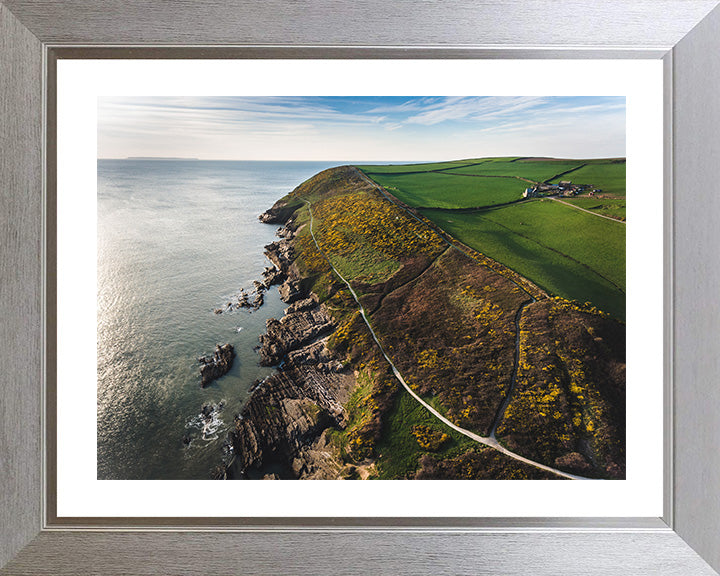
567,252
430,166
444,190
611,207
535,170
403,168
608,176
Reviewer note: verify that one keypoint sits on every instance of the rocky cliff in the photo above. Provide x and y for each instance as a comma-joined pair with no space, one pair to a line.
282,432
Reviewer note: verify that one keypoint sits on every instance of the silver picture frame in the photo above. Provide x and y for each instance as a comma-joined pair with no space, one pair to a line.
684,34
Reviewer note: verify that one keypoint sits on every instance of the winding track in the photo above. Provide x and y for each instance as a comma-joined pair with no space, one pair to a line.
588,211
490,441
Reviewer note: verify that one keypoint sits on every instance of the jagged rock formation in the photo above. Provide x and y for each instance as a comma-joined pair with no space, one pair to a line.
272,276
281,426
279,213
282,432
280,254
290,291
216,365
292,332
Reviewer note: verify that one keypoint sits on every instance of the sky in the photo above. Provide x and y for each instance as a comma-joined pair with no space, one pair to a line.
372,129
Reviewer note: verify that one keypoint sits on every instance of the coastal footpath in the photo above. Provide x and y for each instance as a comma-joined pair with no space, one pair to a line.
542,376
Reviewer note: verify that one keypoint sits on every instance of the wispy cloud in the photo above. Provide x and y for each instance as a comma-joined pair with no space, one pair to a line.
473,109
362,126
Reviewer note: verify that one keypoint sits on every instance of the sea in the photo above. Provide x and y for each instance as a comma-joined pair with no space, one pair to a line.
178,239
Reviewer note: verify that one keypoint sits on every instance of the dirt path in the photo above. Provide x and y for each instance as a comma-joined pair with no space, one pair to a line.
413,279
487,441
511,388
588,211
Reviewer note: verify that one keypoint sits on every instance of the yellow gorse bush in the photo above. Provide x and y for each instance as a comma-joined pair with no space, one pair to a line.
345,222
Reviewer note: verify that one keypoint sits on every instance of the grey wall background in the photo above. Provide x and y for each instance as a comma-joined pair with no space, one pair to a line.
613,28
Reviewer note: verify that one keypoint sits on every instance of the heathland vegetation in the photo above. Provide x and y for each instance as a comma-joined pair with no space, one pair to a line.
464,327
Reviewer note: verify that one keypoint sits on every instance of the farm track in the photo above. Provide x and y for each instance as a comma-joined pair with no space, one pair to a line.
588,211
489,441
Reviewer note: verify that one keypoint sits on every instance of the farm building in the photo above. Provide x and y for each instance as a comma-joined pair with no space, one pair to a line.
548,188
564,184
530,193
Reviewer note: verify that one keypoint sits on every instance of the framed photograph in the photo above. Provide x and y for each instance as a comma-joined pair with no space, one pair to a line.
242,262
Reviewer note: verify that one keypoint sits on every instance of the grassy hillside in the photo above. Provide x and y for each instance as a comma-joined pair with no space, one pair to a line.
446,318
562,392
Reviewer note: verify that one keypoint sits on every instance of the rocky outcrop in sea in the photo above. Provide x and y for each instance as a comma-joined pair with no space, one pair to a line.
217,365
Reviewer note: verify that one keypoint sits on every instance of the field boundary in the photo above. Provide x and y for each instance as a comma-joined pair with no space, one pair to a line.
566,172
475,208
447,173
411,280
525,284
434,170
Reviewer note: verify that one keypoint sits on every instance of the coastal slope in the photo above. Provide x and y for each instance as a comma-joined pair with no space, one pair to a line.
487,349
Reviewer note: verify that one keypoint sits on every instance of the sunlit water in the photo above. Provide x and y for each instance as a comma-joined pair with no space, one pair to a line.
176,240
